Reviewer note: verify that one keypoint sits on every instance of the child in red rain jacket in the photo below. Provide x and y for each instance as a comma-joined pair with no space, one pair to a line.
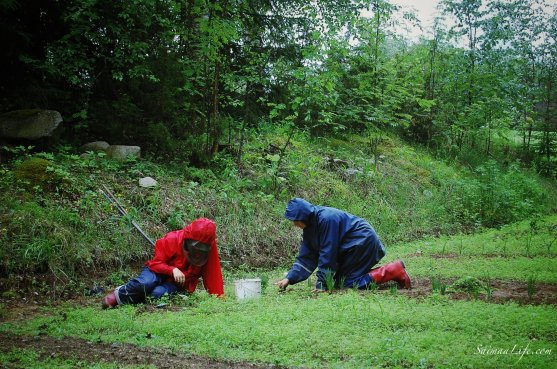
181,258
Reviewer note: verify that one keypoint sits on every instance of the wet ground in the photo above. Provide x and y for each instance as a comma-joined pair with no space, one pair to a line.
123,354
503,291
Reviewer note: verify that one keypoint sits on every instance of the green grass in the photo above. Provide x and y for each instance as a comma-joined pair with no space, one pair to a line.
346,329
343,330
499,254
514,269
528,238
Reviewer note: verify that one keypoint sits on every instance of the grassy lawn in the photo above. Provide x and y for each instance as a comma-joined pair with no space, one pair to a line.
346,329
527,238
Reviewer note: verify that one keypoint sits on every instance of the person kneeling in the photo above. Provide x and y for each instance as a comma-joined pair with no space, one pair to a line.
181,258
339,244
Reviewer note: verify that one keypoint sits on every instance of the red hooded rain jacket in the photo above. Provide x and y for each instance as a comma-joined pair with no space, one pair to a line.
169,254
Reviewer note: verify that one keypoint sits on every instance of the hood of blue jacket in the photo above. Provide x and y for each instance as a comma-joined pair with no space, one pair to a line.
299,209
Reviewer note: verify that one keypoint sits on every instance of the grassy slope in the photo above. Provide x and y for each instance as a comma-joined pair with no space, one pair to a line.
69,229
524,250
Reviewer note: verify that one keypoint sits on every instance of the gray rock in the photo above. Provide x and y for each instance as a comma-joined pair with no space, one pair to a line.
97,146
30,124
147,182
351,172
121,152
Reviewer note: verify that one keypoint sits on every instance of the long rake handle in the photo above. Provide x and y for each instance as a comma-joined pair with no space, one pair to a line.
106,192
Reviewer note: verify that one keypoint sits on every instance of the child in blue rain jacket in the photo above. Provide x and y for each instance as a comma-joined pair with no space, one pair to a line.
341,244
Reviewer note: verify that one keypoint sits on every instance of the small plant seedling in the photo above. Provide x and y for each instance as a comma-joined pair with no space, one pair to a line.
341,281
488,291
372,286
329,280
437,285
264,282
475,292
488,288
531,286
393,289
461,247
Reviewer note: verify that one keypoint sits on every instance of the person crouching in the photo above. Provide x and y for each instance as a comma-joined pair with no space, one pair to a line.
181,258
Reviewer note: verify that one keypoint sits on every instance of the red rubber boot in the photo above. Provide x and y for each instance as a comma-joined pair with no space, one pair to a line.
394,271
109,301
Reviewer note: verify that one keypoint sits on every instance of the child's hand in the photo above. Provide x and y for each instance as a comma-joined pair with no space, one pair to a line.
283,284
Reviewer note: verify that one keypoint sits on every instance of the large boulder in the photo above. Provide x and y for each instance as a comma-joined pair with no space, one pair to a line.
121,152
29,124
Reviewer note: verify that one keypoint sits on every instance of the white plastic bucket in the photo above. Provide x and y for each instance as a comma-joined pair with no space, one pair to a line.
247,288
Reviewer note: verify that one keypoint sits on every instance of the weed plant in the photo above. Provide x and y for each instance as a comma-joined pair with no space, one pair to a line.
467,284
329,280
531,285
487,287
438,285
372,286
475,292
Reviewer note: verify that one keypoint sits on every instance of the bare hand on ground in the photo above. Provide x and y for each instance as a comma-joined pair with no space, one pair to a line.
283,284
179,277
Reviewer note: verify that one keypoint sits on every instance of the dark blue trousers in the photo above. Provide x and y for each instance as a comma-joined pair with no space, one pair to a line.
147,283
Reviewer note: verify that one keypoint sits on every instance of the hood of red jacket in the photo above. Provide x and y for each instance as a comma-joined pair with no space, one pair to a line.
203,230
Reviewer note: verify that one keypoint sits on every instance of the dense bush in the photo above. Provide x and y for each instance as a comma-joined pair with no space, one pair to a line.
493,197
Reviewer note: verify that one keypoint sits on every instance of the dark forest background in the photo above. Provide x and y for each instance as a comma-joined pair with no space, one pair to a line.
182,77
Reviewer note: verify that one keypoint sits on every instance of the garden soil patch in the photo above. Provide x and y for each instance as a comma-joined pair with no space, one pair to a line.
120,353
503,291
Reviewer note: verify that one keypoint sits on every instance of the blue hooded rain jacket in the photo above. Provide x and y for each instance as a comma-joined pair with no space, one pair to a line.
336,242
